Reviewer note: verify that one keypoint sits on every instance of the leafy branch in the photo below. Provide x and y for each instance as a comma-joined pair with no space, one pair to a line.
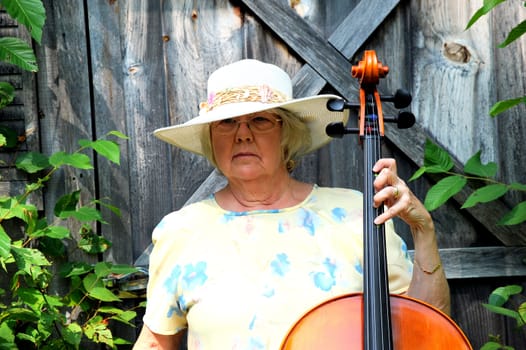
438,161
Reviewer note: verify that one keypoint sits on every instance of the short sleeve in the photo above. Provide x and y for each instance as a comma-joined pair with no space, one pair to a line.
163,312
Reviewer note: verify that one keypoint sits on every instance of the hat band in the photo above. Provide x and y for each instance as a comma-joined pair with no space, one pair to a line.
262,93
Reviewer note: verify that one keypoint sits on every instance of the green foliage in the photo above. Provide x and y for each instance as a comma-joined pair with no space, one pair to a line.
515,33
32,314
438,161
36,317
32,15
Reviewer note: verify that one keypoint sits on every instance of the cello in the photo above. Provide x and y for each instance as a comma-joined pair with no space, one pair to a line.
374,319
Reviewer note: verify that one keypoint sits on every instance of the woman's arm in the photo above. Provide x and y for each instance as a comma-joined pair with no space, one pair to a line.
429,281
149,340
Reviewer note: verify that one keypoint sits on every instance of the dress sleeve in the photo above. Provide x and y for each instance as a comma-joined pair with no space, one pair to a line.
400,266
163,312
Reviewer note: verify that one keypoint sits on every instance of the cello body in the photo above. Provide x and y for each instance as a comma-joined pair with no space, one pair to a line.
337,324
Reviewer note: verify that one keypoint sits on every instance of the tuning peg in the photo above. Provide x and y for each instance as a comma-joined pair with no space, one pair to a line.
338,105
403,120
337,130
401,99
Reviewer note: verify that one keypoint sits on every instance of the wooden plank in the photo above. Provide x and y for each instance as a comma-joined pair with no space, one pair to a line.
64,101
360,24
483,262
306,42
150,174
108,111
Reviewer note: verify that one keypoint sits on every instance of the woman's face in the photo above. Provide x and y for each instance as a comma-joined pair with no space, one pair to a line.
248,147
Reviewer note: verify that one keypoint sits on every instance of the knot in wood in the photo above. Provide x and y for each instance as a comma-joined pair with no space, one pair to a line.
457,52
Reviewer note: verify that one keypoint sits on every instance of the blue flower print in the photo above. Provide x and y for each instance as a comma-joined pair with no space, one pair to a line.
325,280
308,221
358,267
339,214
170,284
280,265
195,275
256,344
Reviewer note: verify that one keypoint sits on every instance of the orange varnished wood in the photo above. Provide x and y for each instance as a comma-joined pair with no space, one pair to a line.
337,325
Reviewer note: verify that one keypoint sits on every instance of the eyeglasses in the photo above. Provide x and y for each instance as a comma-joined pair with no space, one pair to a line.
257,123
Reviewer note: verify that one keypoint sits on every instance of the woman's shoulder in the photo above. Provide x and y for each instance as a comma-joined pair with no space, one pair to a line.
337,193
187,219
334,198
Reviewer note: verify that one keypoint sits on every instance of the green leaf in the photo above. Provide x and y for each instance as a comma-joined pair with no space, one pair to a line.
103,294
518,186
76,160
491,345
18,52
514,34
73,334
501,295
485,194
504,105
118,134
474,166
125,317
418,174
10,136
121,269
502,310
94,244
5,244
7,94
30,13
102,269
107,149
3,140
443,190
75,269
83,214
7,337
32,162
436,159
57,232
27,258
67,203
488,6
516,216
522,311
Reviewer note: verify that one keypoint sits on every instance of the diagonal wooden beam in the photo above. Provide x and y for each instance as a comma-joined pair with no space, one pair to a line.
326,64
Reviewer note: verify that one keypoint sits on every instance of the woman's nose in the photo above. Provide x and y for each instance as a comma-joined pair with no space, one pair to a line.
243,132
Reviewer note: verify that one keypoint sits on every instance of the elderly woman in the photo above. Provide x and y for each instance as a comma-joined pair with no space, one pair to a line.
239,268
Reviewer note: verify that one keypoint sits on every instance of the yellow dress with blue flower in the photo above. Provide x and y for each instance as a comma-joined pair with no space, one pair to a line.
240,280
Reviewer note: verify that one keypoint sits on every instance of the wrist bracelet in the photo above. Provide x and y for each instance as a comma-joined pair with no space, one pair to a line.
439,265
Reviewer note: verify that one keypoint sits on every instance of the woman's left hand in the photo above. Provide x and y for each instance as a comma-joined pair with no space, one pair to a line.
394,193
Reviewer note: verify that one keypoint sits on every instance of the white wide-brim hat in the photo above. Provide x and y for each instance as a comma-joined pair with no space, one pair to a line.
246,87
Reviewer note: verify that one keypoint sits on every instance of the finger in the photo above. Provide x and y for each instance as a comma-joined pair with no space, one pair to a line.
388,195
385,163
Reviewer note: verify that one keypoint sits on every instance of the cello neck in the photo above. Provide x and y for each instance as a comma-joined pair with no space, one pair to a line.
377,327
377,320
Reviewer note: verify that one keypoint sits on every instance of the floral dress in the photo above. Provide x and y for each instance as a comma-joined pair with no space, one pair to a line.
240,280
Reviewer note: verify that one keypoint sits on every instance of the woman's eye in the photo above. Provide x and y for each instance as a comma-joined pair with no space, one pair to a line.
227,121
261,120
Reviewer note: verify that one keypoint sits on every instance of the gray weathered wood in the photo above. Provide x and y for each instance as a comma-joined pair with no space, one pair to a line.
483,262
64,103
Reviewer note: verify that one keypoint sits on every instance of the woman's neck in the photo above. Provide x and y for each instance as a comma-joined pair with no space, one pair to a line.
259,195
